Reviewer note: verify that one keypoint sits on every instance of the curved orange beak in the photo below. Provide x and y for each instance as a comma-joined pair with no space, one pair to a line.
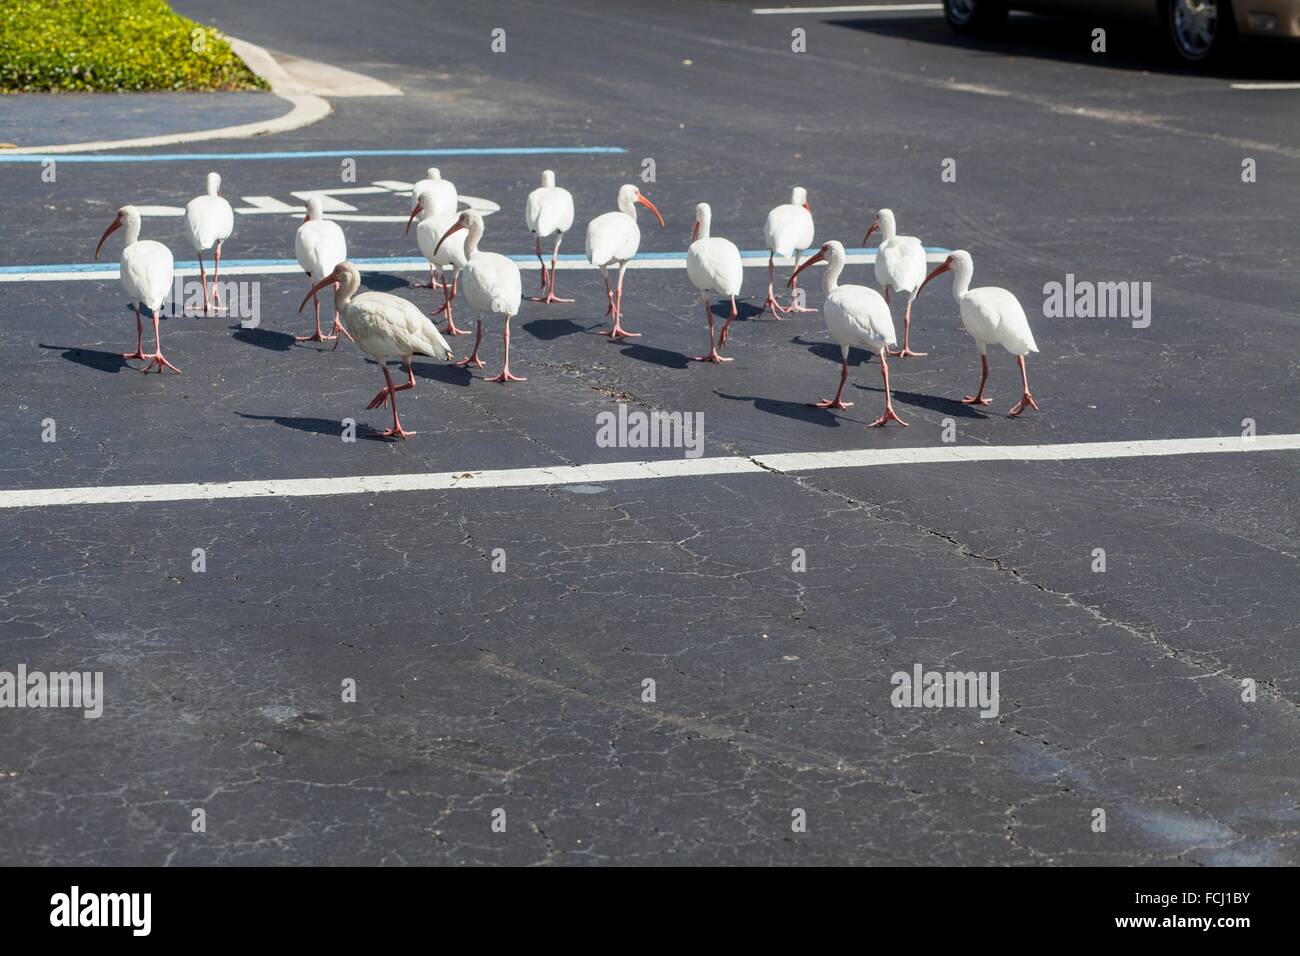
456,228
651,206
328,280
874,227
414,212
113,227
808,207
820,257
939,270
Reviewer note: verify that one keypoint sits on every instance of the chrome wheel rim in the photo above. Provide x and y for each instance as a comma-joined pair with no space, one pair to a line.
961,10
1195,23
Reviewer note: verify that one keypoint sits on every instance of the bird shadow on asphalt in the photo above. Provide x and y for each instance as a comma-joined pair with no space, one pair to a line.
799,411
831,352
654,356
91,358
384,282
547,330
936,403
446,374
263,338
314,426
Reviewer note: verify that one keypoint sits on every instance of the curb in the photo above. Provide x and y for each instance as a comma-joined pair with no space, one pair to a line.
299,88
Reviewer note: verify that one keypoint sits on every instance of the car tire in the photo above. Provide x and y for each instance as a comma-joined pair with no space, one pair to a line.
973,17
1201,32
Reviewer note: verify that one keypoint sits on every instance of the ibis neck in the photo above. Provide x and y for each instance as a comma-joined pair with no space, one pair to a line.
131,232
347,288
834,266
627,206
703,222
475,233
961,276
888,229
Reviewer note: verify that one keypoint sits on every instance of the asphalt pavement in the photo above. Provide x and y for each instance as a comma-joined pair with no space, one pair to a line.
500,637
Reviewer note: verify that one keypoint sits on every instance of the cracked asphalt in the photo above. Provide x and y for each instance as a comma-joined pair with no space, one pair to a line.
522,689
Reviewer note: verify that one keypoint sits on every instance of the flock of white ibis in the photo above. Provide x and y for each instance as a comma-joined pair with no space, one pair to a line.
386,326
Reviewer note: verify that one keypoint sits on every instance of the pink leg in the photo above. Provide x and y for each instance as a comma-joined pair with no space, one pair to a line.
794,305
770,302
451,328
618,332
505,375
836,402
318,335
216,276
713,355
905,352
1026,398
397,431
726,328
381,397
139,338
978,398
203,280
337,329
550,289
157,357
889,415
538,246
473,357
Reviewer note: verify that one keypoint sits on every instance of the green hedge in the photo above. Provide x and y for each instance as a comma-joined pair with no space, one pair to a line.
113,46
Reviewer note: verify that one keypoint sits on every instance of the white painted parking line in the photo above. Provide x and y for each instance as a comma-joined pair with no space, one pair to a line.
855,8
89,272
635,471
1265,86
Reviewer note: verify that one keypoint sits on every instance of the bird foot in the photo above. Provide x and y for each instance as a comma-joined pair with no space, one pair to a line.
776,308
831,403
158,360
381,397
549,298
317,336
713,356
889,416
1019,407
472,360
453,329
798,308
618,332
905,352
398,432
137,354
505,376
976,400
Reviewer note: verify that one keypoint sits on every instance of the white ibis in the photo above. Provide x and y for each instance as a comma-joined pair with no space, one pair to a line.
146,277
491,285
900,267
855,315
549,212
320,247
992,316
439,215
614,237
714,267
382,326
209,221
444,190
788,231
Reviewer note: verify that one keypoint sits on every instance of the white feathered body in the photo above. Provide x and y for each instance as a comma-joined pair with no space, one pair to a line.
612,237
491,283
147,272
994,316
549,210
900,263
432,229
858,316
320,247
714,266
789,228
444,194
384,325
208,219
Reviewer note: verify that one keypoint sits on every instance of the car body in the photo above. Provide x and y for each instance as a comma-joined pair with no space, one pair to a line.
1199,31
